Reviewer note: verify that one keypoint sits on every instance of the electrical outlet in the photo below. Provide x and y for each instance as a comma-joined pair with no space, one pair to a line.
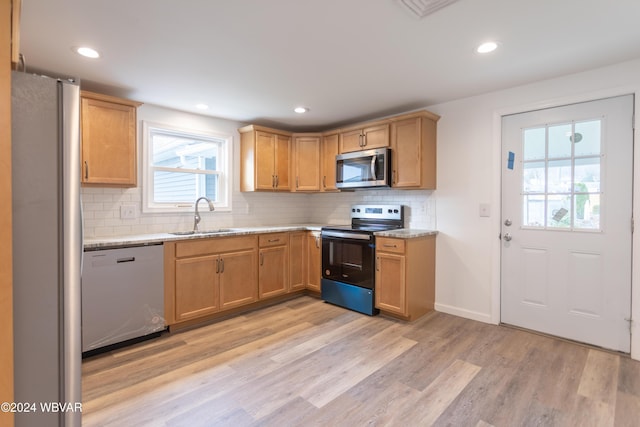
128,212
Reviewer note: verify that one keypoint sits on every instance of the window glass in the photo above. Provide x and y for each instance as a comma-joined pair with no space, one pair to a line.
587,138
559,141
182,166
534,143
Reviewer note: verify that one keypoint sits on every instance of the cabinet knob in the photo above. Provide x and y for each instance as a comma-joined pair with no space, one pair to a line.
86,170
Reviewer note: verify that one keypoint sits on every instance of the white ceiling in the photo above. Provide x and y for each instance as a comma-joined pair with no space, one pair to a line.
346,60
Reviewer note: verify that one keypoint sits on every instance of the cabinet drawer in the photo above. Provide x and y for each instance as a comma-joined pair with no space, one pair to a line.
386,244
214,245
273,239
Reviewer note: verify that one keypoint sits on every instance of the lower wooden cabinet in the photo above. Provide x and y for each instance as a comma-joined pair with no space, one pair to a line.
314,261
273,272
196,287
237,278
297,260
405,276
205,276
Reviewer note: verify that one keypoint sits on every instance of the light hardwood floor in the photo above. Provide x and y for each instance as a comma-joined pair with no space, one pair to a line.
307,363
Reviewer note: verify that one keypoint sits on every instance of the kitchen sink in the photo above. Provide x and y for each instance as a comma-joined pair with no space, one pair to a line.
191,232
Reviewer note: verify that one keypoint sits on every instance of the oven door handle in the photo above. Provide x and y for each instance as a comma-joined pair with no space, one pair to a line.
351,236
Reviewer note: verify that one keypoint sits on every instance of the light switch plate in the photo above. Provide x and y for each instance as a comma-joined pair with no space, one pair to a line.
485,210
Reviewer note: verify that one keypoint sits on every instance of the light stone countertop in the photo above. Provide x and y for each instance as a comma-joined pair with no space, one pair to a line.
95,243
406,233
107,242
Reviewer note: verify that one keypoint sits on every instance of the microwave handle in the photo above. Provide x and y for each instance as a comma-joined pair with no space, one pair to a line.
373,166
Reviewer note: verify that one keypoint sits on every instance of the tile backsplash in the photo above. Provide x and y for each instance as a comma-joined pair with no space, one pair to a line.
102,210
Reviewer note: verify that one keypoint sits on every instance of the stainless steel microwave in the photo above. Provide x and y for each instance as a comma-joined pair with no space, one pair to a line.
362,169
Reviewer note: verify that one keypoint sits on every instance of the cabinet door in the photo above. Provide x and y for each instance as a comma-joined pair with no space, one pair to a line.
297,260
265,160
196,292
282,162
238,278
390,283
351,141
406,160
376,137
314,265
307,163
273,271
330,148
108,143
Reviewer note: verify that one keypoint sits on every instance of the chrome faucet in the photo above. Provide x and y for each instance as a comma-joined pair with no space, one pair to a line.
196,217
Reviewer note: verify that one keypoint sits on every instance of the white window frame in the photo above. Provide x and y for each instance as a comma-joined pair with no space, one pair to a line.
225,175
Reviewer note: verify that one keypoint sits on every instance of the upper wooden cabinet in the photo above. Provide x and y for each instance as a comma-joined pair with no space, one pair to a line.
330,149
265,159
268,154
365,138
413,145
306,162
108,140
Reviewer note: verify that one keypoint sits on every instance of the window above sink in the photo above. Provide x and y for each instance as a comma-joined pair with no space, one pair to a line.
181,165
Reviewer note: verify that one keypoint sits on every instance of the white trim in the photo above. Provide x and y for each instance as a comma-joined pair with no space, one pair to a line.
461,312
497,200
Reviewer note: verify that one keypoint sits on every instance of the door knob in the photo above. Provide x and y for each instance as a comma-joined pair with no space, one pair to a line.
507,222
507,237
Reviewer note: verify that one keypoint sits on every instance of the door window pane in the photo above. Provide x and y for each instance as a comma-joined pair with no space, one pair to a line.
534,143
533,177
587,211
559,172
534,210
587,175
559,141
559,211
587,138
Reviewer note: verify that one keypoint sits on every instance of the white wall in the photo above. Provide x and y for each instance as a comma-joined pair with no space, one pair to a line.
468,249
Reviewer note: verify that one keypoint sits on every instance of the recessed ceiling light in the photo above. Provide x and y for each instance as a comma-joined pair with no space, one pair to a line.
301,110
487,47
87,52
202,106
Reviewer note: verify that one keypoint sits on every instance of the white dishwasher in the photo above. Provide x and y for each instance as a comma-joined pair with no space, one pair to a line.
122,296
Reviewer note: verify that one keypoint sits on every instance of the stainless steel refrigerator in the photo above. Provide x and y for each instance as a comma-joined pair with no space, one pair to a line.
47,250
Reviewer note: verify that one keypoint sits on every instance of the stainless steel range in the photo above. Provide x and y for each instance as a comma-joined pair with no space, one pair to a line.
348,256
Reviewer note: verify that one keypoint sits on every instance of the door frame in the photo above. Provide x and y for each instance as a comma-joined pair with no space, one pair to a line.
496,180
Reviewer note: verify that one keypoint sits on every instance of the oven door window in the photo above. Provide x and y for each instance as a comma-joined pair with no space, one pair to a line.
348,261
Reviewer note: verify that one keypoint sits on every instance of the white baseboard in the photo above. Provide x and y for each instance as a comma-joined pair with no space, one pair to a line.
461,312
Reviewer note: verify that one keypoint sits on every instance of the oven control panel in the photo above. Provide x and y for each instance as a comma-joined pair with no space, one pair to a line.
377,212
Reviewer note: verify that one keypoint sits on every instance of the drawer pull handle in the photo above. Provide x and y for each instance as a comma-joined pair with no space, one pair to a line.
273,240
386,245
128,259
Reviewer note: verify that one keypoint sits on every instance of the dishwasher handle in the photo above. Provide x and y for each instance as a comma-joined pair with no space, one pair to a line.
126,259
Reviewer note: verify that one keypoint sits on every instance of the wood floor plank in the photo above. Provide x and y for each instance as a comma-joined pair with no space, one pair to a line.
307,363
435,399
599,380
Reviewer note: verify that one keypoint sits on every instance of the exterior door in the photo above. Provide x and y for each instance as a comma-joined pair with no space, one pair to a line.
567,221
